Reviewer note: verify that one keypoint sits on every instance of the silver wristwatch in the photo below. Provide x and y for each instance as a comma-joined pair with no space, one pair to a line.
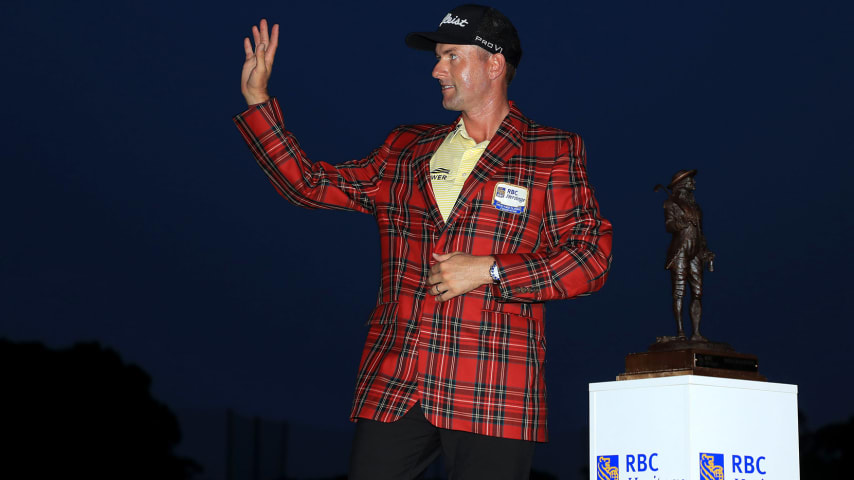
493,272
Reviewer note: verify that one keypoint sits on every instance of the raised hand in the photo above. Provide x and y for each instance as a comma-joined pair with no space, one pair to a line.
259,63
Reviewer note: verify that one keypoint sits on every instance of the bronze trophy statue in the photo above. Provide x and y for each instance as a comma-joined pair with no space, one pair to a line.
687,256
688,253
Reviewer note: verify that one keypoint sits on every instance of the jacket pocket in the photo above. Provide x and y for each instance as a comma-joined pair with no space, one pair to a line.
515,326
514,345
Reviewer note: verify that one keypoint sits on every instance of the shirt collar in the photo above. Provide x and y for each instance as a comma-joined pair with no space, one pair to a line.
464,134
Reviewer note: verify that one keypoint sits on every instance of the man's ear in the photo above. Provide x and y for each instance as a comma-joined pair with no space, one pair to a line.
497,66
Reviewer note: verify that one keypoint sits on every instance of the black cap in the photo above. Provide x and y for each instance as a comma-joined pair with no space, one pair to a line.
478,25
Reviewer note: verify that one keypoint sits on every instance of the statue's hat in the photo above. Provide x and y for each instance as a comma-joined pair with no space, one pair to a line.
681,175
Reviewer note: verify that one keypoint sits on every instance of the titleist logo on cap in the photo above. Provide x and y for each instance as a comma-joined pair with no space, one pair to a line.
460,22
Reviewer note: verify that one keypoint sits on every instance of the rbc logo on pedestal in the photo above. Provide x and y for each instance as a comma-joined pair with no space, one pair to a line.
608,467
711,466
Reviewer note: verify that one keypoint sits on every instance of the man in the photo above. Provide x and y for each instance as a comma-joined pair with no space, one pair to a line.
480,222
687,252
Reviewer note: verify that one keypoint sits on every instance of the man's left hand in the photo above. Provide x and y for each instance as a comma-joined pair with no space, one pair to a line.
457,273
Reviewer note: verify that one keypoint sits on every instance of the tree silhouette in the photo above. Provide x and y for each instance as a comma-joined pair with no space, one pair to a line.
827,452
83,412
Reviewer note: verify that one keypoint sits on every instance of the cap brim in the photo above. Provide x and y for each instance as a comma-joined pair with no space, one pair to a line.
428,40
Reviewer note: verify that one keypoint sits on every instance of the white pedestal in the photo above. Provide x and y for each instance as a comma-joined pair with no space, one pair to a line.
667,428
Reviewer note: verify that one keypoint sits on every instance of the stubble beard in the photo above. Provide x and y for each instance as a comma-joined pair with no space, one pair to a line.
452,103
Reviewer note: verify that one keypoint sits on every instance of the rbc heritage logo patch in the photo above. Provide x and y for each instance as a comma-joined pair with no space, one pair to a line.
711,466
608,467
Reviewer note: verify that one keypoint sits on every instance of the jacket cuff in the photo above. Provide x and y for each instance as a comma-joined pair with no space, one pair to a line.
260,116
518,282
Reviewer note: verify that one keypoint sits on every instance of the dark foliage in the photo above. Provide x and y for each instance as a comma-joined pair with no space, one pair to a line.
538,475
83,413
829,451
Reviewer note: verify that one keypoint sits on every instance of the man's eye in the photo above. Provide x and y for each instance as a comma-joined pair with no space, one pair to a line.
453,57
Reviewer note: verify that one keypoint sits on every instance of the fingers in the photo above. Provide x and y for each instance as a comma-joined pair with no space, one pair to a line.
265,37
247,47
440,294
248,66
260,53
265,44
438,272
445,295
438,289
261,33
272,45
256,35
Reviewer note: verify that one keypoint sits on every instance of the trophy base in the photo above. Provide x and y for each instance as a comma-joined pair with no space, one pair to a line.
671,356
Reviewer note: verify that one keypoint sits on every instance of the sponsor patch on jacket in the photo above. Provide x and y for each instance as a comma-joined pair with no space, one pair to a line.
510,198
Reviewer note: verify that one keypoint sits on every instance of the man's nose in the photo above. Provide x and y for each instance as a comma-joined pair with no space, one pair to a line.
438,70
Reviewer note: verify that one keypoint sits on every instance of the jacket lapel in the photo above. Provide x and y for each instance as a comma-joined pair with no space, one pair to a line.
507,138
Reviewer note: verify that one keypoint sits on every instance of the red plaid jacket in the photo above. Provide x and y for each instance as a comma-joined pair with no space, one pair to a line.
474,362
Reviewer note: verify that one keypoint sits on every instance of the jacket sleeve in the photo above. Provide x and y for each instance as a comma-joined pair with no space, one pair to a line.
576,256
346,186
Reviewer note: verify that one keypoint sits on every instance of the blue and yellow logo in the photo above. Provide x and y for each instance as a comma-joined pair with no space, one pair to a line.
711,466
608,467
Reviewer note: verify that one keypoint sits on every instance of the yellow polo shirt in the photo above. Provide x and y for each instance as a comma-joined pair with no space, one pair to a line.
451,165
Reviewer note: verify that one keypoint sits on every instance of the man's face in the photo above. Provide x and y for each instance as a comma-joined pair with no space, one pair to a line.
688,184
462,74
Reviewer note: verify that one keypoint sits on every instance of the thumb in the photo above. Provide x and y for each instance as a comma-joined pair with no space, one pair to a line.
441,257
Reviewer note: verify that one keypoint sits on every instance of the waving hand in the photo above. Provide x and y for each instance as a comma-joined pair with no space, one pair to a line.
259,63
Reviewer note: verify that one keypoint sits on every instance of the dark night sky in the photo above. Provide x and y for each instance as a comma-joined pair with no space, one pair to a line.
134,214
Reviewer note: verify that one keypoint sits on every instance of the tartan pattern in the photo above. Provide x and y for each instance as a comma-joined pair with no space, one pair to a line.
475,362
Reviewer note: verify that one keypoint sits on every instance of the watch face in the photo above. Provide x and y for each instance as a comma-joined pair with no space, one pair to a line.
493,272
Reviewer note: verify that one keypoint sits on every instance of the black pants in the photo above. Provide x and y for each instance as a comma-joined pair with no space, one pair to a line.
403,450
